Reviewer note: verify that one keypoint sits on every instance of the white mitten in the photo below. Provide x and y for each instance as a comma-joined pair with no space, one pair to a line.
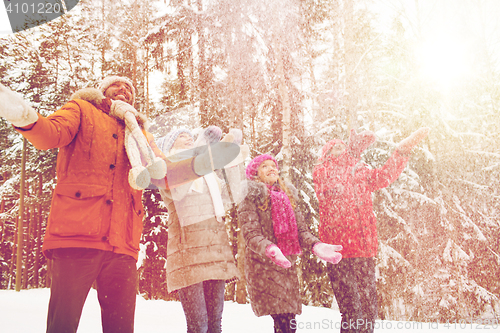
228,138
15,109
237,134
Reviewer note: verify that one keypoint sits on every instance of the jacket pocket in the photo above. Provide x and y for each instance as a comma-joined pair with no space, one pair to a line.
77,210
135,226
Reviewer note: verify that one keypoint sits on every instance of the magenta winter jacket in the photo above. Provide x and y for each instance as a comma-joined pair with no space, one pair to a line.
344,186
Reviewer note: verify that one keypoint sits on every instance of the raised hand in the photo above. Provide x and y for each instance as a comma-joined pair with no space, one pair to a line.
406,145
15,109
359,142
237,135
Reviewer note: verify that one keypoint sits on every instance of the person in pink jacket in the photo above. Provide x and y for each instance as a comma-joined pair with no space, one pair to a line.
344,186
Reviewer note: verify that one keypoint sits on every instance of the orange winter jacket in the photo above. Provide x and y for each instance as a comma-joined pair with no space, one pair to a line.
93,205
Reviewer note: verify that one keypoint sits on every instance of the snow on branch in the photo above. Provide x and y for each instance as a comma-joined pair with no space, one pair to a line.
485,153
474,185
453,253
491,167
422,199
393,113
387,253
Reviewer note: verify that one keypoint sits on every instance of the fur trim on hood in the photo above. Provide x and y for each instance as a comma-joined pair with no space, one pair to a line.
97,98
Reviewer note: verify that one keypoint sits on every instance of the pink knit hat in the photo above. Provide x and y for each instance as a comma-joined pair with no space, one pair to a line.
253,166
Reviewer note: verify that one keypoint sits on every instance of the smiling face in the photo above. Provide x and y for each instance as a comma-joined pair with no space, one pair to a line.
337,149
119,91
268,172
183,141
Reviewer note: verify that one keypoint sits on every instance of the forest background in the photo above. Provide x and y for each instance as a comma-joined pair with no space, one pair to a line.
291,75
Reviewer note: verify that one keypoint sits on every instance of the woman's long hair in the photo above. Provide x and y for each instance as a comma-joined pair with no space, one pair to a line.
283,187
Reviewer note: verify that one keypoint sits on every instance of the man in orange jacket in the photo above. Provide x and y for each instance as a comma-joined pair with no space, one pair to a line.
95,221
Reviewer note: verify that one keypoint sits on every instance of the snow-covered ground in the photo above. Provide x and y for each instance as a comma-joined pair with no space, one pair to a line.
25,311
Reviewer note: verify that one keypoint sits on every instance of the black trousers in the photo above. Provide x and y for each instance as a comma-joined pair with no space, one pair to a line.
282,322
74,270
354,285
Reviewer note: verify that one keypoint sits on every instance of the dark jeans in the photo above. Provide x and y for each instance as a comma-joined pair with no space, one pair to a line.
282,323
354,286
73,272
203,304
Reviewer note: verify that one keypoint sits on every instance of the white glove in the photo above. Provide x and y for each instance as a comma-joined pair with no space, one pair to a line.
237,135
15,109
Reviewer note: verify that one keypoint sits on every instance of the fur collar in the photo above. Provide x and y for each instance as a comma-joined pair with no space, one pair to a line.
96,98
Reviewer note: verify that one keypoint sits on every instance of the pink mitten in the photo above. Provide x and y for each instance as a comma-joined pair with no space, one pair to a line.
327,252
274,253
359,142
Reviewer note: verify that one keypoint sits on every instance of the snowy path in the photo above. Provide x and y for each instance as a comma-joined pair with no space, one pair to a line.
25,312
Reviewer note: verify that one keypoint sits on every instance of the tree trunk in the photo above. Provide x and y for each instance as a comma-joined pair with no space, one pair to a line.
103,50
12,260
146,82
37,241
2,209
38,238
350,96
20,233
28,247
286,123
203,66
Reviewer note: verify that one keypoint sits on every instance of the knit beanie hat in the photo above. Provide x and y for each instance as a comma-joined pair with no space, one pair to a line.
253,166
109,80
166,143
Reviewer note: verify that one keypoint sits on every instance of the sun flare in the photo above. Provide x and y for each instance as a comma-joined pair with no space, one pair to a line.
444,60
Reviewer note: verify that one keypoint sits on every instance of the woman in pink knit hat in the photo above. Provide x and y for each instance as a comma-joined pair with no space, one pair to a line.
275,234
